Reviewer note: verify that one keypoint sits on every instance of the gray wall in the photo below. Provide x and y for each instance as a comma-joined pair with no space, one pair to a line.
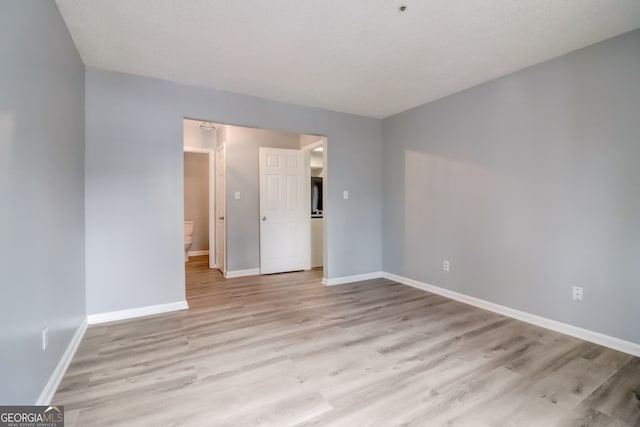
243,175
134,159
41,193
528,185
196,198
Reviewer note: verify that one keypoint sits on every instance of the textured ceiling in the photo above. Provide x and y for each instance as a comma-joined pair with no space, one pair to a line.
356,56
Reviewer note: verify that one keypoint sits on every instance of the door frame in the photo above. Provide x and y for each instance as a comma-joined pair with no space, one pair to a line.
322,142
212,202
221,146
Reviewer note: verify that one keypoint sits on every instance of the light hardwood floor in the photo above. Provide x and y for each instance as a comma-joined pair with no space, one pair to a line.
285,350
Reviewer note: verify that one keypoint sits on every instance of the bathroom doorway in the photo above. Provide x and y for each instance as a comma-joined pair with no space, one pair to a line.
199,191
196,203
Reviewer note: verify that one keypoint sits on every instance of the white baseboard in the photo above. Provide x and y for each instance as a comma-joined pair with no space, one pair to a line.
564,328
94,319
242,273
61,368
350,279
198,253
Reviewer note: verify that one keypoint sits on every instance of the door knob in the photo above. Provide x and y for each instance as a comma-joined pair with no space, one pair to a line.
264,218
221,218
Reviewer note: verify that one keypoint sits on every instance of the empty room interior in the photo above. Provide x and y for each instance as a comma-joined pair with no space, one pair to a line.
361,213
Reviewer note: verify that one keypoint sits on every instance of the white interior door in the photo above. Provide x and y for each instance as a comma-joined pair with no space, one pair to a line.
285,212
221,229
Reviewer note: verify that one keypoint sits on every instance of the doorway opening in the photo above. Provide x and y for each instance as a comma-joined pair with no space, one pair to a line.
236,221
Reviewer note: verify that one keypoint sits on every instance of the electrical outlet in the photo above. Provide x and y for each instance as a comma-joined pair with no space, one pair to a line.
345,194
237,195
45,338
445,265
578,294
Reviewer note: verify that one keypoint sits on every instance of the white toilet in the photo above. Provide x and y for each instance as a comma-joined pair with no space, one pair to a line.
188,238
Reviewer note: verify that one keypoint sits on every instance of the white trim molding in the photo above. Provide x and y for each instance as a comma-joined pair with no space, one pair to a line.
564,328
94,319
198,253
333,281
242,273
61,368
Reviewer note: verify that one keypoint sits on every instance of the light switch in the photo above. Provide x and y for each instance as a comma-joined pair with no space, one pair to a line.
237,195
345,194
